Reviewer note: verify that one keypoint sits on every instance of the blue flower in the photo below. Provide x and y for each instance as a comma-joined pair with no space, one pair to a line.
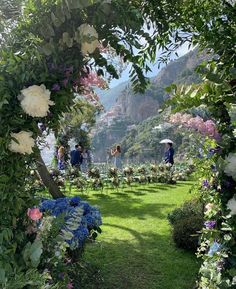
75,201
215,247
47,205
90,217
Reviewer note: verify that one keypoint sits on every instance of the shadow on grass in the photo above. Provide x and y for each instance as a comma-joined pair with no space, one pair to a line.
136,192
145,261
125,206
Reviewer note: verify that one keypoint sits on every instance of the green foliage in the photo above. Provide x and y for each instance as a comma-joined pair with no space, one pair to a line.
43,42
217,94
46,36
32,253
187,222
193,207
186,232
78,123
142,142
30,278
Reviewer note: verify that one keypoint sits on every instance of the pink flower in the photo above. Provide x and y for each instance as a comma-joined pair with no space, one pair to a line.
34,214
196,123
93,80
69,285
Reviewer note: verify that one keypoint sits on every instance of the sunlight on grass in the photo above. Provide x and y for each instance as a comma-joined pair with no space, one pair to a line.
135,249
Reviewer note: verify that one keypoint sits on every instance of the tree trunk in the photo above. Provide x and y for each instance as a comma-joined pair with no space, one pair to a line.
47,180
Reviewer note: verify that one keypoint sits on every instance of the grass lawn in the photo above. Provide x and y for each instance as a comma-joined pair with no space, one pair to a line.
135,249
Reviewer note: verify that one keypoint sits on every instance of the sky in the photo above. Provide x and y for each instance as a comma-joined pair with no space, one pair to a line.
125,75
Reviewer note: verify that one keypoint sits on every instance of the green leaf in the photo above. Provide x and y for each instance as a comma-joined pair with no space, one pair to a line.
32,253
48,49
2,276
36,251
67,39
194,93
56,22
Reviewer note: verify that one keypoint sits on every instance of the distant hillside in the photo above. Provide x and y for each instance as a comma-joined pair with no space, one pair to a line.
134,108
109,97
139,107
142,143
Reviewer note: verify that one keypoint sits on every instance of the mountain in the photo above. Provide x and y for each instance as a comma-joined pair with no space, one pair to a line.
139,107
126,109
109,97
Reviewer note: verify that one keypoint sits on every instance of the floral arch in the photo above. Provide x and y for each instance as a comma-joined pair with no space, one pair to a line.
57,43
54,47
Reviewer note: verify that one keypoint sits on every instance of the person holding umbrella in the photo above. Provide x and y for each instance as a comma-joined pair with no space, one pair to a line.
169,153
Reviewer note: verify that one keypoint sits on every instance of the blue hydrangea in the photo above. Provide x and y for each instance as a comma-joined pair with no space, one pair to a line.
80,218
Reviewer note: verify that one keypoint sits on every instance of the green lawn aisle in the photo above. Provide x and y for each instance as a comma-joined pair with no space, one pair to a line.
135,250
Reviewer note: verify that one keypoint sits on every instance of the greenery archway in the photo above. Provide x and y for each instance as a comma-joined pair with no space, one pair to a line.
56,43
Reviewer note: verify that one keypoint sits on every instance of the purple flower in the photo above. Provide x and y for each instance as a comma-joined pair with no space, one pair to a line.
56,87
210,224
205,184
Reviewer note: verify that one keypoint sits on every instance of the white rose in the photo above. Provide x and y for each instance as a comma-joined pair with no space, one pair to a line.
231,205
35,100
89,38
25,142
230,167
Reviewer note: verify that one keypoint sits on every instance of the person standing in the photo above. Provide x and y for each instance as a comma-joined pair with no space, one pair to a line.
76,157
61,157
80,149
169,154
116,153
85,160
55,157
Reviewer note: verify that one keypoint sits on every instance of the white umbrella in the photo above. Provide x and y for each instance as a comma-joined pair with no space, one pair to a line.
166,140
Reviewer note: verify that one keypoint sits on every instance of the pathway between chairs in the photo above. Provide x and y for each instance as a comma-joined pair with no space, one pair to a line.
135,250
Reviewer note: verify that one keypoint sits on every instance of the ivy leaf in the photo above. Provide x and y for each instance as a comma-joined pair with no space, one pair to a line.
32,253
47,49
36,251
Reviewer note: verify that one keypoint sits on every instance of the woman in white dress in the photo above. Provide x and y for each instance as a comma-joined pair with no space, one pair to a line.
116,153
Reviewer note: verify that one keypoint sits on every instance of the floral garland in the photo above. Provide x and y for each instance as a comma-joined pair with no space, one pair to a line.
207,128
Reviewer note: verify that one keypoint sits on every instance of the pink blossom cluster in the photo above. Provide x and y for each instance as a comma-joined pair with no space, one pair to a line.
207,128
93,80
87,84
